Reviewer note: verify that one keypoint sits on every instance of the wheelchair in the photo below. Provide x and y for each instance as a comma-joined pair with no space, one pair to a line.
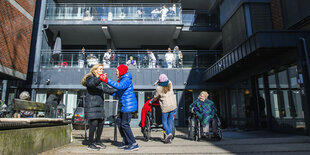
195,128
153,121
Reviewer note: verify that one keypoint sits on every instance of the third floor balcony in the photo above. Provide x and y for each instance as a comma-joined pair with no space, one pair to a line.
114,13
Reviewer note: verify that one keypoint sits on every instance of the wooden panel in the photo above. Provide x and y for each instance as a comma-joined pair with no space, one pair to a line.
29,105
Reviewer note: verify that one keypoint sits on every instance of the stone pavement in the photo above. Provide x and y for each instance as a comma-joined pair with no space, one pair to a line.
234,142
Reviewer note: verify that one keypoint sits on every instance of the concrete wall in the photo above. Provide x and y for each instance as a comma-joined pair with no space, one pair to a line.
33,140
70,78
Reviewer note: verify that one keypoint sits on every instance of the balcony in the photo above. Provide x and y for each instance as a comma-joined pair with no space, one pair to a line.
113,13
134,59
194,20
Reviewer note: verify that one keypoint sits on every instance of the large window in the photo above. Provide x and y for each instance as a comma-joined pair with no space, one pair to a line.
285,97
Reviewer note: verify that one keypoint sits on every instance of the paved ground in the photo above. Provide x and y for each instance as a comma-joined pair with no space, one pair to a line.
234,142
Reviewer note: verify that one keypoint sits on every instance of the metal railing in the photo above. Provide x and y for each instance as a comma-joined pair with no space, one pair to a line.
114,12
133,59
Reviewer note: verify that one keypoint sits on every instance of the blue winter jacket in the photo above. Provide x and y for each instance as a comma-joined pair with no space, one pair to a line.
125,93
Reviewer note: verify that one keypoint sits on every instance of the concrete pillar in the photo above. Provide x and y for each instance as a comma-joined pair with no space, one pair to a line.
109,43
4,87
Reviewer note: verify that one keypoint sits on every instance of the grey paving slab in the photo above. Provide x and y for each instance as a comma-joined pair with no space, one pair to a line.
261,144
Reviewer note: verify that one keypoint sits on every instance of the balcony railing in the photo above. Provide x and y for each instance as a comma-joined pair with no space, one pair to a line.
133,59
114,12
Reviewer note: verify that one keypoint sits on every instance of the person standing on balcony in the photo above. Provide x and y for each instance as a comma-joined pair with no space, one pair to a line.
110,16
178,57
122,15
106,58
168,103
155,13
163,12
169,58
87,16
152,59
139,14
171,13
125,92
81,59
94,107
131,63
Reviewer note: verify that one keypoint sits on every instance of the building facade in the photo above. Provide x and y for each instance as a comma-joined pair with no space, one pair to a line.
249,54
264,64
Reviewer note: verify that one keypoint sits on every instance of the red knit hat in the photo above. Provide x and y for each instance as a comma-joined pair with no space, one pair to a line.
122,69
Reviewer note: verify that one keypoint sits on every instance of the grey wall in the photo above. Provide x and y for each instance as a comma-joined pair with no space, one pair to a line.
260,17
234,31
69,78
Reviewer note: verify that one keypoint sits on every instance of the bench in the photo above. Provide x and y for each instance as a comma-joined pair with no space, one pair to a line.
19,104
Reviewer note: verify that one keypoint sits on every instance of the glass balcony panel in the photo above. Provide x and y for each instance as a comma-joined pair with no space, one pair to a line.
200,20
113,12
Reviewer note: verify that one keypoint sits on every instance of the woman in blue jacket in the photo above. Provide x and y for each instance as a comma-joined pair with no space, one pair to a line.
128,101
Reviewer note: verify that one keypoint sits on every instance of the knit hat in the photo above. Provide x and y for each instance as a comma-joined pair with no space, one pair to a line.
163,80
24,95
122,69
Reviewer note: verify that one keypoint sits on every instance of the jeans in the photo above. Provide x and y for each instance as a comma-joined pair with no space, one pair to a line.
123,123
168,121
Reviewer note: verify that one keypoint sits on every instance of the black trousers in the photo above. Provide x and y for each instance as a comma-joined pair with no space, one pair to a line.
95,124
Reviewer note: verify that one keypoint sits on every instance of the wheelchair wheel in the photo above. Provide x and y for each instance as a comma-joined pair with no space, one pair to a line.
147,129
191,128
220,134
197,130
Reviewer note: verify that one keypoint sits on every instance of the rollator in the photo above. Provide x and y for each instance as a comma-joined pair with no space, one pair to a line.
151,119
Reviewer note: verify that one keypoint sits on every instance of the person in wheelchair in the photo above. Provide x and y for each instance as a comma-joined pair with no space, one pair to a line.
205,110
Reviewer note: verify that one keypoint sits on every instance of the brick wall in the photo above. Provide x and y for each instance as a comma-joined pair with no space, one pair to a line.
28,5
15,35
276,13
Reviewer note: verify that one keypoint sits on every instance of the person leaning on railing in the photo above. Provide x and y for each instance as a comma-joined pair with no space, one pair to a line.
169,58
131,63
178,57
152,59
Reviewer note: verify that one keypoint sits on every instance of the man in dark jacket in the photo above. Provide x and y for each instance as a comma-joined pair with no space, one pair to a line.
94,107
53,100
125,92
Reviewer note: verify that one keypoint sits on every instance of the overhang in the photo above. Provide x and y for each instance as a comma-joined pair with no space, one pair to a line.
262,51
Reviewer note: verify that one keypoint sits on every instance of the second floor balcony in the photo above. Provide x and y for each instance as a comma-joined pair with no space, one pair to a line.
156,59
114,13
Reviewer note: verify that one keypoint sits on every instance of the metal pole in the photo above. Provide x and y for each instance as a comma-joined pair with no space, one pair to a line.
304,64
66,105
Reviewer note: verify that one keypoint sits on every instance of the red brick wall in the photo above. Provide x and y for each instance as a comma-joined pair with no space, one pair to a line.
276,13
28,5
15,37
